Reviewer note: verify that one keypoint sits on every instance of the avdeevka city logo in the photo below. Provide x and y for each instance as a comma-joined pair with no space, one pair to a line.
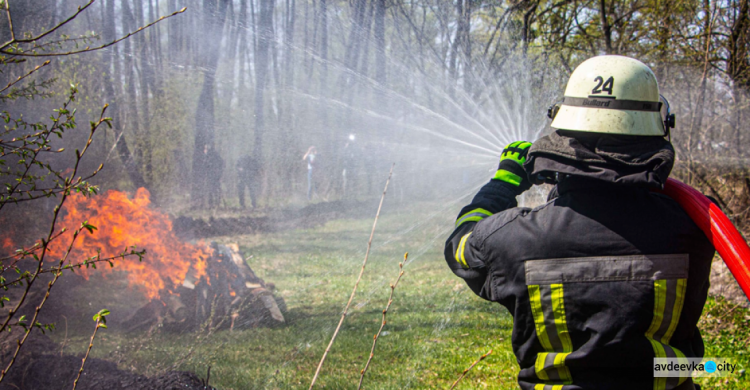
693,367
709,367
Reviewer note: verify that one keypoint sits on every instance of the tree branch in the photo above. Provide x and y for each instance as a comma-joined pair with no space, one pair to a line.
354,291
12,83
44,34
382,324
463,374
90,49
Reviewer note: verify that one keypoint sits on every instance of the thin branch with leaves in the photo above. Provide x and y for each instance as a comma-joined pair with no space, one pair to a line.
463,374
101,322
359,278
45,242
382,323
12,47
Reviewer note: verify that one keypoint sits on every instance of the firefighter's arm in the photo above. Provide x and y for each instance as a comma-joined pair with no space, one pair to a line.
463,250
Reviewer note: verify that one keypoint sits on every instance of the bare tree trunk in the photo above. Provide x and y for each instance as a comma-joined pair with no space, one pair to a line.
254,24
146,77
289,42
129,85
366,48
606,28
215,14
453,62
173,32
323,46
234,28
738,68
265,28
379,33
288,123
153,14
351,57
242,52
697,112
466,41
113,72
528,19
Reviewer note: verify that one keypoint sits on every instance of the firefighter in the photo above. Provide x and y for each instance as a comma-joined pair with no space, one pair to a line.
214,170
248,176
608,274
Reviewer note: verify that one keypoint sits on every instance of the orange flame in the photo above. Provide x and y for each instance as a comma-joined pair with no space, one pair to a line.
122,222
8,244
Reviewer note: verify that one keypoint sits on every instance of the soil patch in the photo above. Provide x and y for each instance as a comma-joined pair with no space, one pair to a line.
310,216
40,367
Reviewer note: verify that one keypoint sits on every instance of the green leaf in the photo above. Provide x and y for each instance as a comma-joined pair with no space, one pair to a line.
86,225
101,315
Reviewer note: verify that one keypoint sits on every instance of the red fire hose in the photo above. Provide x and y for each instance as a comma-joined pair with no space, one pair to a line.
717,227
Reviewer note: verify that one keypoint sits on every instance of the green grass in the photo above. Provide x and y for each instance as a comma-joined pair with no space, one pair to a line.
436,326
725,327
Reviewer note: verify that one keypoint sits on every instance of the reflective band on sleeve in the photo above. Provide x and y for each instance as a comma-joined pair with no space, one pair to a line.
669,298
473,215
460,251
508,177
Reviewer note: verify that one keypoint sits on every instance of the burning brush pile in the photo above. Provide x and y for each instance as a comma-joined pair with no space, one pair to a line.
227,295
189,285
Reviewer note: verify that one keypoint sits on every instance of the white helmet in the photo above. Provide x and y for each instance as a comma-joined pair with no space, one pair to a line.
615,95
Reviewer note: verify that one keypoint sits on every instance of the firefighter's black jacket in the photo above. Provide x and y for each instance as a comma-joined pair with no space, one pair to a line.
600,280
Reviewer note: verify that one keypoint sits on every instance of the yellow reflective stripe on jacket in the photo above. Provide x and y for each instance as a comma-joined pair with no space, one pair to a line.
473,216
669,298
550,366
679,302
460,250
535,299
548,309
558,308
542,386
660,289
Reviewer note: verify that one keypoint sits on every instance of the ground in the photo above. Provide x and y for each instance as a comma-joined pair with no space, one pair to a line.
435,329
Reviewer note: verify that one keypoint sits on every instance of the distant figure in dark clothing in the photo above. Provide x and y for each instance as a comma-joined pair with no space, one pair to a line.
214,171
310,157
248,176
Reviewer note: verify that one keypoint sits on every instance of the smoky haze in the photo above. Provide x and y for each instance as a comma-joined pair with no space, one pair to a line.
429,86
262,116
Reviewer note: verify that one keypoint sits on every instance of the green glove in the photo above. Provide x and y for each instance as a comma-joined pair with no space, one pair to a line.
511,169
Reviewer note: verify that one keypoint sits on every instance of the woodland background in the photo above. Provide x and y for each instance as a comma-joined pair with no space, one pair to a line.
271,77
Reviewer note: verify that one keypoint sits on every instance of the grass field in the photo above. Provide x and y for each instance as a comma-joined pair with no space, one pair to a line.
436,326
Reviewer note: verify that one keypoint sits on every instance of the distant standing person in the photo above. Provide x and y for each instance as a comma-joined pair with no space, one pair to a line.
248,176
310,157
214,171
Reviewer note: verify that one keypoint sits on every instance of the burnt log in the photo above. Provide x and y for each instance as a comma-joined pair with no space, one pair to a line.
229,296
